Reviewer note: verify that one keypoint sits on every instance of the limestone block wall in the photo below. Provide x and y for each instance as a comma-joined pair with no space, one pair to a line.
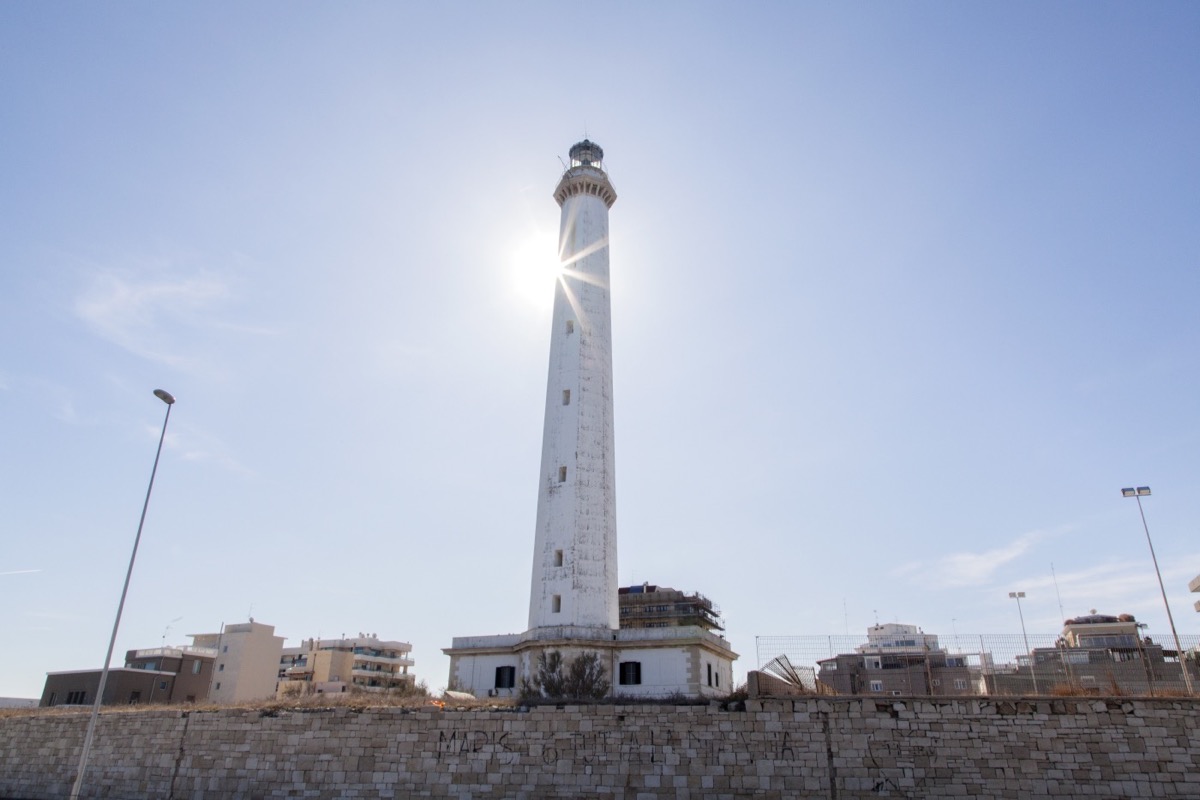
804,747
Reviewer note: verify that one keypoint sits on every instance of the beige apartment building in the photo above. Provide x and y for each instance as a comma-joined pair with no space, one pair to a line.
247,659
364,662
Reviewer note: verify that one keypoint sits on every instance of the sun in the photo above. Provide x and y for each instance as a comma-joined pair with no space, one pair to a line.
535,268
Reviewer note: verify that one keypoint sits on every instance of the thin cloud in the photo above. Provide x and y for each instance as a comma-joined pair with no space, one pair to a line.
144,315
1114,586
192,446
963,569
972,569
20,572
132,314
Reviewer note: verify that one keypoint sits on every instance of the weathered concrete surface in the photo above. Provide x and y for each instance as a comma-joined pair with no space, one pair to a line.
811,748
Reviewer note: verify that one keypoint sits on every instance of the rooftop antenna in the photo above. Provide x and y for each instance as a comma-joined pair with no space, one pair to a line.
1056,592
169,624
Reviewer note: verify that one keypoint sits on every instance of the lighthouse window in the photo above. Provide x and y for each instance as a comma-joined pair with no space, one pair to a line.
562,474
556,603
570,326
558,558
566,397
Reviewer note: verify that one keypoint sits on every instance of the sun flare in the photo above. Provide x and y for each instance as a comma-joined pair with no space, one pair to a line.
535,268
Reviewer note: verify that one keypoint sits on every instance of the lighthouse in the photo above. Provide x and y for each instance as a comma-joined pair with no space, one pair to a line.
574,580
574,600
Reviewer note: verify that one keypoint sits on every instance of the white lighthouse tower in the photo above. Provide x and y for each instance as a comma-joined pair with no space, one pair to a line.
574,600
574,579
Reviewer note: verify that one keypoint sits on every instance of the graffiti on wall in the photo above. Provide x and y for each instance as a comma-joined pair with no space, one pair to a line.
599,747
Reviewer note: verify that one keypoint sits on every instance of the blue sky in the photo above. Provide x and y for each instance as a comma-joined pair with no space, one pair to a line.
903,295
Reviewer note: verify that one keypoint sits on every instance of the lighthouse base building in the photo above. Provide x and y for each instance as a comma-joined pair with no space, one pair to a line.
573,596
639,662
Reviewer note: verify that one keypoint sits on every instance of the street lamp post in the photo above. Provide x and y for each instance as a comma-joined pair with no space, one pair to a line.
1138,494
167,398
1032,671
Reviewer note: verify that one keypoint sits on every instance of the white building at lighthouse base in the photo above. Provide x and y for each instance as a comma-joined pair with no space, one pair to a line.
639,662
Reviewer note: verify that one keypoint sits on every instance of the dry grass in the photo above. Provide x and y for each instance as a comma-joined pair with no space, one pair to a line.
358,701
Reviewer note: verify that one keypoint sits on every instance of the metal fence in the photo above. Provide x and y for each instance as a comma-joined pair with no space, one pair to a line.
983,664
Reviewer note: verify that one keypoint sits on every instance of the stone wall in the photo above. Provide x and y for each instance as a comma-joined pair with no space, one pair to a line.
806,747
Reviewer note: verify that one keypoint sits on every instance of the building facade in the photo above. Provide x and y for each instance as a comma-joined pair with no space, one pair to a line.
157,675
649,606
1100,654
900,660
247,661
361,663
573,595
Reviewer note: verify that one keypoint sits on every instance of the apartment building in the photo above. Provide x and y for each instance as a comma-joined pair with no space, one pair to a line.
364,662
155,675
247,660
900,660
650,606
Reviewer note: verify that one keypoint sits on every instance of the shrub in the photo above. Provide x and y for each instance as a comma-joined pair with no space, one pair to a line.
581,678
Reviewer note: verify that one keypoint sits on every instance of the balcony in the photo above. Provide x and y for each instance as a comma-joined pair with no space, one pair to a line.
400,660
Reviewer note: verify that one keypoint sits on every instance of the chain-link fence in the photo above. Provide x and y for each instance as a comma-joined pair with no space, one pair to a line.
984,664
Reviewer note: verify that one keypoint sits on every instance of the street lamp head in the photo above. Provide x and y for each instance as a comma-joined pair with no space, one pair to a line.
1143,490
1140,491
1130,492
1016,594
169,398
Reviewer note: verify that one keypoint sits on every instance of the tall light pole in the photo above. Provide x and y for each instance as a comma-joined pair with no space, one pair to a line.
1033,672
167,398
1138,494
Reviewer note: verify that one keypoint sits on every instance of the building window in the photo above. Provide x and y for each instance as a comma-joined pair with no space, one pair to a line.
709,673
960,683
225,649
196,667
558,558
218,686
570,326
191,698
936,681
506,677
629,673
562,474
876,686
134,698
76,698
50,702
220,667
566,397
556,603
162,684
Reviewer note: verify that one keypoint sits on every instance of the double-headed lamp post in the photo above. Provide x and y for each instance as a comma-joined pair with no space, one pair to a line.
1138,494
1032,672
167,398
